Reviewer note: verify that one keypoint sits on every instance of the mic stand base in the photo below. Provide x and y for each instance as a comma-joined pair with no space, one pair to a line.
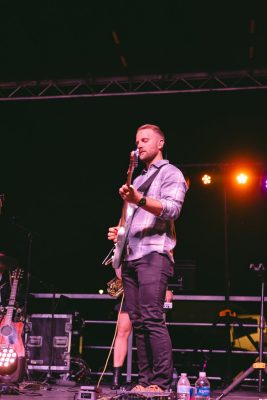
256,366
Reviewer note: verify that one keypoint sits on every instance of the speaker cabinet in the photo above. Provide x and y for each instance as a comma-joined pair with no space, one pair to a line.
48,342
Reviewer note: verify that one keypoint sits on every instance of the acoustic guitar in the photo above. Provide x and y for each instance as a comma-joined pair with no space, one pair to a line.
11,332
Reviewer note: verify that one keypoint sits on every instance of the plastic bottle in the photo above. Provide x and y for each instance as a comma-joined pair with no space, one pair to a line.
202,387
183,387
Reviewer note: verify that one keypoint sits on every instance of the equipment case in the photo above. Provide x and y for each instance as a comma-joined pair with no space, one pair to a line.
48,341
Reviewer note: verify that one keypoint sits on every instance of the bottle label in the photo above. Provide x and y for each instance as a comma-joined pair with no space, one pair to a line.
183,389
203,391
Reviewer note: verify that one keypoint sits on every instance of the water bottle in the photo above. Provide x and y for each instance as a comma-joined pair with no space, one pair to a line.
202,387
183,387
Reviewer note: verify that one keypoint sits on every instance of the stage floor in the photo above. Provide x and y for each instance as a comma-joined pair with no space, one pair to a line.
29,390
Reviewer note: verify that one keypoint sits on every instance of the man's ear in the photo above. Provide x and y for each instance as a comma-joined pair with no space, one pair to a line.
161,144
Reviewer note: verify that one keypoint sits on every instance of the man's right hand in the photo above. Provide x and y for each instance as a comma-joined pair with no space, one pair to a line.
113,233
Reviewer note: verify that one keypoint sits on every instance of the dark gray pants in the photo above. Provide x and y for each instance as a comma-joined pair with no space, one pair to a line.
145,282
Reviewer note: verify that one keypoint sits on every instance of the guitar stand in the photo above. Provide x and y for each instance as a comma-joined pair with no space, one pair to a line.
260,365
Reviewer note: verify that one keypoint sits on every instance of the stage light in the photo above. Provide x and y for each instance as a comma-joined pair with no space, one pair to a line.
242,178
8,360
101,291
206,179
12,366
263,184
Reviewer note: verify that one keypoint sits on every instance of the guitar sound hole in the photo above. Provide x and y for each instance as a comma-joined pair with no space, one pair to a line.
6,330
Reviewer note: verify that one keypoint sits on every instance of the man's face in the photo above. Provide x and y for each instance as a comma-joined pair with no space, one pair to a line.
149,144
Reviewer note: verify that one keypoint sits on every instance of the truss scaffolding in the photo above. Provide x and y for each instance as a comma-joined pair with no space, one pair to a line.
134,85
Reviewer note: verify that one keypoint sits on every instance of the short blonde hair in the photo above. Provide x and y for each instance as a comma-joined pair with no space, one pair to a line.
154,128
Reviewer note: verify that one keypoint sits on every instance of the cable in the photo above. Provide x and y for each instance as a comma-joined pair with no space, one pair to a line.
112,344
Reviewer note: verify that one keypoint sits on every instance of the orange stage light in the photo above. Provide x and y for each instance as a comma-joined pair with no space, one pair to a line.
242,178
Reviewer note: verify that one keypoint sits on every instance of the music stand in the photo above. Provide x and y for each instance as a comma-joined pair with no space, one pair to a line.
259,365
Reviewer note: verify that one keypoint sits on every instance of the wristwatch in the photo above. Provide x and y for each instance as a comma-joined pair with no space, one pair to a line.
142,202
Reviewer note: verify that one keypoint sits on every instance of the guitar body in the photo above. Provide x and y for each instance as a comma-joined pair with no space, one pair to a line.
121,239
11,335
117,254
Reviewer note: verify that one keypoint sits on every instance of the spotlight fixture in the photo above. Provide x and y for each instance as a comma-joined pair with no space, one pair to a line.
206,179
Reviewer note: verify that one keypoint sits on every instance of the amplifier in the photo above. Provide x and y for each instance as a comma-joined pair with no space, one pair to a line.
184,277
48,341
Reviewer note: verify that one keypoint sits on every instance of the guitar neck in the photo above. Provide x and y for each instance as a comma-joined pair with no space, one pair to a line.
10,307
123,213
125,204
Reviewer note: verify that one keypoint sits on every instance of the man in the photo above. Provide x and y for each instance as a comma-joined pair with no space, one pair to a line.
147,261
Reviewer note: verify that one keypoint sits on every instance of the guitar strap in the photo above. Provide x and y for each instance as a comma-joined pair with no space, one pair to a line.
145,185
142,188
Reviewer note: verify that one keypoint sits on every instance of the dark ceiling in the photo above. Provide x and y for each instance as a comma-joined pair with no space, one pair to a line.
60,39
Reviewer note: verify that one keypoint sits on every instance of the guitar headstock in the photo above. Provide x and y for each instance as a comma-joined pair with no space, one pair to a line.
17,273
136,155
133,160
133,164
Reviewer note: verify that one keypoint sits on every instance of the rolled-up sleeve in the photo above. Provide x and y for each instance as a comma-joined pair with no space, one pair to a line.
172,194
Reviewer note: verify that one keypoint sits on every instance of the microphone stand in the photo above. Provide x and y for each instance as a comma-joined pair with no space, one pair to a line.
28,278
51,288
29,261
259,365
29,267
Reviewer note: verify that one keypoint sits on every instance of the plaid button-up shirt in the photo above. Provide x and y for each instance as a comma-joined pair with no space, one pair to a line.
147,232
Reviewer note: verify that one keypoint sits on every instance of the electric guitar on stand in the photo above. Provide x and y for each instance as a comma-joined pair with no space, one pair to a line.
115,255
11,344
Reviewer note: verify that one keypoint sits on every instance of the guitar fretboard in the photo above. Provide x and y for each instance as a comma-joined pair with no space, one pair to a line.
11,303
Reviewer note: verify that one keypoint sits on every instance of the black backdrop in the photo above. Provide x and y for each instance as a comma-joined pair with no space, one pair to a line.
62,162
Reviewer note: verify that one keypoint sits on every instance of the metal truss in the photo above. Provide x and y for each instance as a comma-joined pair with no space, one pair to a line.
135,85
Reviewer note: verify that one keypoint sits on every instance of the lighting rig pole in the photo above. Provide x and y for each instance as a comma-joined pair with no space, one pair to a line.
226,314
